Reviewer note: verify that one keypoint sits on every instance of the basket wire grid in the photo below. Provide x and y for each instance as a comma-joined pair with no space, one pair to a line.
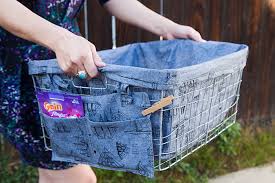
185,136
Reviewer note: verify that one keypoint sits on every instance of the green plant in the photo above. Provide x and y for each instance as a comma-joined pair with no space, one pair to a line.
13,173
192,174
225,142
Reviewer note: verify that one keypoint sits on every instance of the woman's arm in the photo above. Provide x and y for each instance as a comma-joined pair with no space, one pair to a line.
133,12
22,22
73,52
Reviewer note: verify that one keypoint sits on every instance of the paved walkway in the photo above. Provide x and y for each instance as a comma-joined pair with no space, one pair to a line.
264,174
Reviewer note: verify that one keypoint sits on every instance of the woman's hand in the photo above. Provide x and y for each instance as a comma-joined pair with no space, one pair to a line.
74,54
174,31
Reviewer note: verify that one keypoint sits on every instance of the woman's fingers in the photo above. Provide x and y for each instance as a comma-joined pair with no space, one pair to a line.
78,65
97,60
66,65
182,31
90,66
195,35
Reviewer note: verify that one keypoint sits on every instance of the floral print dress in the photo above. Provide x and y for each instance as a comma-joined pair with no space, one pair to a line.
19,117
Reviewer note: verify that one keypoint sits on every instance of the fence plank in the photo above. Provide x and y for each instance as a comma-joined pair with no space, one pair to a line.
100,26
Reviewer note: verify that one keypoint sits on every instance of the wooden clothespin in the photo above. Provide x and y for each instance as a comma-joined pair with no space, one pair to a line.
158,105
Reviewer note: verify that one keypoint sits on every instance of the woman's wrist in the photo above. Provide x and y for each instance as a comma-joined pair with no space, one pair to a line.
163,27
55,36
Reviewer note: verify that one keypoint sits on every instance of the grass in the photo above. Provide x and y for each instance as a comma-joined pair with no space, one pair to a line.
11,172
235,149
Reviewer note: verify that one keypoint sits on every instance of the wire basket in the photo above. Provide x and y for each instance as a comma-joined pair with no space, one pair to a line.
143,116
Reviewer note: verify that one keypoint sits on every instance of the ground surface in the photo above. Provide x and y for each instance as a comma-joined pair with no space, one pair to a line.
264,174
